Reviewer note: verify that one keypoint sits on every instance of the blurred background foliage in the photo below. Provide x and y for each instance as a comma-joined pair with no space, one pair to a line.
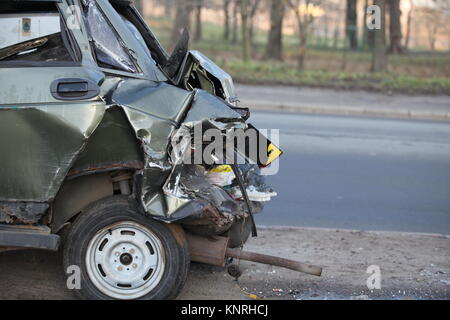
321,43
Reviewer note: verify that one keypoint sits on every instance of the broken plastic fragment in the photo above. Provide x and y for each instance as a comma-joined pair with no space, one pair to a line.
254,195
221,176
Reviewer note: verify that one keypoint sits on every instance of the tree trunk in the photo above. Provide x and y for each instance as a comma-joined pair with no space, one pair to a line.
379,56
182,18
274,48
302,51
408,25
335,37
365,32
235,22
226,11
198,20
395,27
432,37
246,45
253,6
251,31
351,24
168,6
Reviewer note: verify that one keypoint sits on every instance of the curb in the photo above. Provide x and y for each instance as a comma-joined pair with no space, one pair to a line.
355,111
374,232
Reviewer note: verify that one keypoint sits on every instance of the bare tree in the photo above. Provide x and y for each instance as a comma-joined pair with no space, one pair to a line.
182,18
304,15
253,9
443,6
274,47
351,19
432,24
395,27
245,30
226,24
198,20
168,6
379,56
365,38
236,6
408,24
436,21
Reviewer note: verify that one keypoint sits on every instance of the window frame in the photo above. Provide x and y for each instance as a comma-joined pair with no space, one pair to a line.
110,70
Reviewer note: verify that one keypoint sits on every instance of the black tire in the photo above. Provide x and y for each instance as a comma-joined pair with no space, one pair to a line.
108,212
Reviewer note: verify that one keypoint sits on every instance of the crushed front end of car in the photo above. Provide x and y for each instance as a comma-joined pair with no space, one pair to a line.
146,160
192,175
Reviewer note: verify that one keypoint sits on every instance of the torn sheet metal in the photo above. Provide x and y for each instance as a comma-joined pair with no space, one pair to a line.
199,68
154,111
155,99
111,147
195,201
208,107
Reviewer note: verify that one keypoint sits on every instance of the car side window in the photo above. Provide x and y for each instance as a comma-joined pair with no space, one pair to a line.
108,48
34,37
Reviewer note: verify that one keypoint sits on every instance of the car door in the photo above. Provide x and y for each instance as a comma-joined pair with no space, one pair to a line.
49,104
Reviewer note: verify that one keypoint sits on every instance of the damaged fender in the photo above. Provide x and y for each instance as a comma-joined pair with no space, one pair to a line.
154,118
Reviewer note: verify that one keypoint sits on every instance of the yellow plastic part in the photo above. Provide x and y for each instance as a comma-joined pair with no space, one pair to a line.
274,152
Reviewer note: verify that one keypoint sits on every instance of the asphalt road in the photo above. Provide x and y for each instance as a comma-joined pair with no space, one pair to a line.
359,173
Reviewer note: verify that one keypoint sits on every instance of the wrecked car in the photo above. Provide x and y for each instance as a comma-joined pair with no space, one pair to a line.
91,110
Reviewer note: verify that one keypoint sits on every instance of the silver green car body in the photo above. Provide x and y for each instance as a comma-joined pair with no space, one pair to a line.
49,144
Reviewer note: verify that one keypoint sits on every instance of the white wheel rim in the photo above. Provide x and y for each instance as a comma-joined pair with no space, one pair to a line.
125,260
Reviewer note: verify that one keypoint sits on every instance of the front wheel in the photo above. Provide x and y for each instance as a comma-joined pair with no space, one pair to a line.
123,254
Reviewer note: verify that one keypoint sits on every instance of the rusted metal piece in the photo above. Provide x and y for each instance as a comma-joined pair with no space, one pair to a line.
274,261
214,250
200,217
130,165
30,228
209,250
23,212
5,249
178,233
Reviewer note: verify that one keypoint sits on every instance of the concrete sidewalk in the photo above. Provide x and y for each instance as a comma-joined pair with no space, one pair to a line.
341,102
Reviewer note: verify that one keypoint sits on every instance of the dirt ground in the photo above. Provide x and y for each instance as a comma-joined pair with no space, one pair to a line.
413,266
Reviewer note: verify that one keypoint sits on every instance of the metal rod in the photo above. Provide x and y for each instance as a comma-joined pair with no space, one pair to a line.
240,180
275,261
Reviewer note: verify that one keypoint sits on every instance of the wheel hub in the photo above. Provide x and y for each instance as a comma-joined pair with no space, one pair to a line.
125,260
